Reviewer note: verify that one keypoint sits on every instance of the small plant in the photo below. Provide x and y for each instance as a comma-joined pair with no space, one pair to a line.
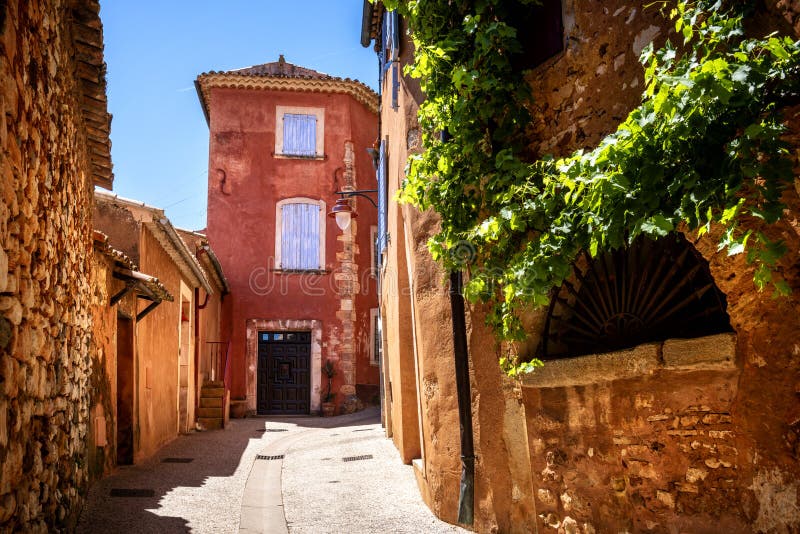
329,371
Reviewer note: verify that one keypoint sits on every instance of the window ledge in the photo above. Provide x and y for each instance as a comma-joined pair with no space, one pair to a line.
709,353
300,271
322,157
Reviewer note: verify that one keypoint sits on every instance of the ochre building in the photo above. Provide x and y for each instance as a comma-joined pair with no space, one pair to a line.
283,141
694,431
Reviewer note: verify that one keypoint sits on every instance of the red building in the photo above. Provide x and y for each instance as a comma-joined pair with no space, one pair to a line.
283,140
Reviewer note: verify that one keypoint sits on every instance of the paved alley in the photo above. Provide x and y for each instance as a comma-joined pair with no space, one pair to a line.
336,475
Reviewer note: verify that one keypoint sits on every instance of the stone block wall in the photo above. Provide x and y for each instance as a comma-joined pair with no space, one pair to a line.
45,267
684,439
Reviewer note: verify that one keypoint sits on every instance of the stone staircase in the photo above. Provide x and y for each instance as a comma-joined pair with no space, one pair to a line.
211,415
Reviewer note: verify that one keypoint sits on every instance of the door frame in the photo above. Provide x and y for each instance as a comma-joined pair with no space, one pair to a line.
269,383
253,326
185,393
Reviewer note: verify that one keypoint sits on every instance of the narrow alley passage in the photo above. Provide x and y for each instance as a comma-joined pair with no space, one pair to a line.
337,475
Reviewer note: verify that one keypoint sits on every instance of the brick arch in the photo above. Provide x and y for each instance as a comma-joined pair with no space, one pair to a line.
648,291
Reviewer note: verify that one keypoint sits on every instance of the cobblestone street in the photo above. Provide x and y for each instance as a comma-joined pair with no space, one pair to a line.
225,489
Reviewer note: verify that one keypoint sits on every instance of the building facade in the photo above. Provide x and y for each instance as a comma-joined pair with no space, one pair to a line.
162,354
283,140
694,431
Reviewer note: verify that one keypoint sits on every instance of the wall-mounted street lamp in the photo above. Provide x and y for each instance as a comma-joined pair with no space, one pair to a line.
343,212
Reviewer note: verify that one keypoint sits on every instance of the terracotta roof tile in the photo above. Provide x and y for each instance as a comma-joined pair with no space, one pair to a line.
281,75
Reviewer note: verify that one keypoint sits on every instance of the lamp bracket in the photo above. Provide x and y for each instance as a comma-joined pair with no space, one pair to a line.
359,193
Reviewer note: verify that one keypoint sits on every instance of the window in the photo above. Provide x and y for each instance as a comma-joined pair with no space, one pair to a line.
648,291
382,196
389,54
299,132
300,234
376,347
540,29
373,248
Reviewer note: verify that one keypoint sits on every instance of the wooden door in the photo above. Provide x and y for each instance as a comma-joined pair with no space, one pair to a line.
125,389
284,372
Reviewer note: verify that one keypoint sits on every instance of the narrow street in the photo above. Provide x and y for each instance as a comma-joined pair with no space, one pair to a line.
337,475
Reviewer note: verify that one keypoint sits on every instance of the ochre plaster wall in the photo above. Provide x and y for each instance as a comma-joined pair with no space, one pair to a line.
703,447
246,182
156,346
419,358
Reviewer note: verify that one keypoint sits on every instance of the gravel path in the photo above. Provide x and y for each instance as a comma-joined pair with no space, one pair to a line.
204,496
324,494
321,492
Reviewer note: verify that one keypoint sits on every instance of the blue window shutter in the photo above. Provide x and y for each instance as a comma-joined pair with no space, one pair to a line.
394,35
299,134
395,86
300,236
382,194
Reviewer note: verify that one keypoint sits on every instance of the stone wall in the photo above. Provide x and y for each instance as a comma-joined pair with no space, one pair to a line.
651,447
46,177
101,431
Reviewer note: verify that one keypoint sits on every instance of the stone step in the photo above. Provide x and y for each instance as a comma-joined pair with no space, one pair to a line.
215,412
210,402
210,423
212,392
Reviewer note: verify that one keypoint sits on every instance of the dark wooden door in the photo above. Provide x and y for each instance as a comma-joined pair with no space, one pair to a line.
284,371
125,389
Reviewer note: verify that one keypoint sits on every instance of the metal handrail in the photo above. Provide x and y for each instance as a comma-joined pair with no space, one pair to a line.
227,373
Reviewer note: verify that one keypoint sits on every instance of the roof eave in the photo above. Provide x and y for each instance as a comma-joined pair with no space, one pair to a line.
366,23
180,246
358,90
203,104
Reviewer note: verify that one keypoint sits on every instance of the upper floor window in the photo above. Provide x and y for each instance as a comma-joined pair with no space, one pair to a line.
540,30
299,132
300,234
389,53
376,348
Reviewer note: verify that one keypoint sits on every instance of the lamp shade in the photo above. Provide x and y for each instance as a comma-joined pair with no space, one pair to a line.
343,213
343,220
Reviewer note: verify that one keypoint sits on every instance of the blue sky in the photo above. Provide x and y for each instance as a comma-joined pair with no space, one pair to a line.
155,50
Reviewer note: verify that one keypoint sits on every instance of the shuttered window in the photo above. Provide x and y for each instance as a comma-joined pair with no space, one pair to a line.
299,134
380,243
375,334
300,239
390,48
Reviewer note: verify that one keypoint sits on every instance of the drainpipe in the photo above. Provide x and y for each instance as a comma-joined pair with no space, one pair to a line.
197,308
466,494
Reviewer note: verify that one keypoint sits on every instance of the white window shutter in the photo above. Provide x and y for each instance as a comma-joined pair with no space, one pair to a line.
300,240
299,134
